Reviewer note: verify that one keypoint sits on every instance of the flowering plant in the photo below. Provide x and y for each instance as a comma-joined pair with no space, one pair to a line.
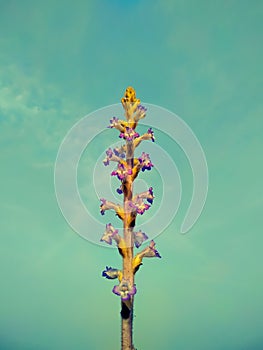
128,168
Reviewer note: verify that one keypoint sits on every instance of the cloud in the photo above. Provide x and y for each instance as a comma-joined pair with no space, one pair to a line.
33,111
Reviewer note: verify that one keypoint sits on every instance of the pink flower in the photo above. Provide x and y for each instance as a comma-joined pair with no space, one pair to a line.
121,172
145,161
129,134
140,206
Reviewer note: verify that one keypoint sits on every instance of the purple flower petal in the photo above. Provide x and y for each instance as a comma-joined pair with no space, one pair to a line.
139,238
119,190
116,290
106,161
119,152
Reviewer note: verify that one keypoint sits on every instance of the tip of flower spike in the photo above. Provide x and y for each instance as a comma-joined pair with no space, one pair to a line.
129,96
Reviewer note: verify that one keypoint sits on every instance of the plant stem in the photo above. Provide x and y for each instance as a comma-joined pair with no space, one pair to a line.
128,225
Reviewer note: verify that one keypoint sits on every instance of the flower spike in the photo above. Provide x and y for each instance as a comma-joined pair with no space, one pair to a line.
127,169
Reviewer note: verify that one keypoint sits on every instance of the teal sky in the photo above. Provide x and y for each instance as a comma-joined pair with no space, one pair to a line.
59,61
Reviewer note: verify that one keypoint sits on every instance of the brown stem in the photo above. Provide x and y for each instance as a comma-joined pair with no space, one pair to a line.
128,224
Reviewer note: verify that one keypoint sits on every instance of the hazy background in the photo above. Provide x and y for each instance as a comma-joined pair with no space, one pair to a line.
60,61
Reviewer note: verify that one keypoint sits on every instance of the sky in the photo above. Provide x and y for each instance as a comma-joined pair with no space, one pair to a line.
59,62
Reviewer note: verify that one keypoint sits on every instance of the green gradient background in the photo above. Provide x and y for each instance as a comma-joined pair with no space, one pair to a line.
60,61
